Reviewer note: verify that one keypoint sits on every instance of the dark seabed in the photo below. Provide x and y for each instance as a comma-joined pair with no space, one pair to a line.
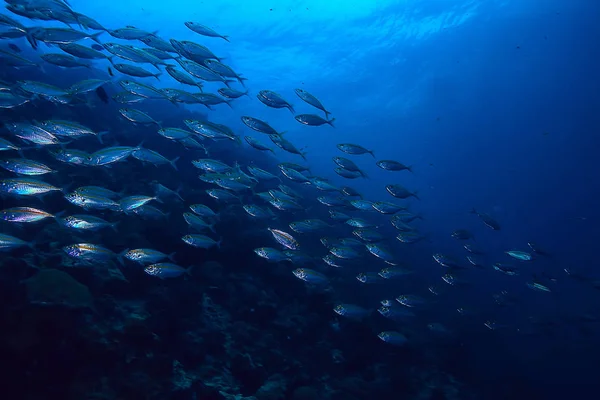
299,200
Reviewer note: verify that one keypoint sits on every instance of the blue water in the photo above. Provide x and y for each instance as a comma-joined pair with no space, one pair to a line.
495,106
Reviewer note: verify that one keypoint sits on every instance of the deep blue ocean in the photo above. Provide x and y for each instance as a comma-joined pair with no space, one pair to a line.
494,105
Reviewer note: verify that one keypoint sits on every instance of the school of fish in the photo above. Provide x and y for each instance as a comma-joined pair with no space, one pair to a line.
362,239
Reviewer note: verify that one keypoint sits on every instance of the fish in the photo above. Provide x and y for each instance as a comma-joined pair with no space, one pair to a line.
166,270
347,174
260,173
350,192
274,100
195,221
110,155
147,256
134,70
310,276
394,272
462,234
284,239
201,241
313,120
79,51
8,242
23,166
400,192
129,203
257,145
312,100
520,255
259,125
487,220
391,165
203,211
538,286
130,33
351,311
385,207
85,86
92,201
394,311
89,253
59,36
379,251
324,185
69,129
153,157
271,254
32,133
363,205
347,164
409,300
204,30
368,235
232,93
354,149
63,60
87,223
202,72
409,237
222,195
26,187
183,77
24,214
445,261
138,117
393,337
286,145
258,212
157,43
224,70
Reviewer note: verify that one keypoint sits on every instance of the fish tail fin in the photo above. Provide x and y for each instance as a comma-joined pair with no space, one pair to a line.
120,257
364,174
200,86
158,200
371,152
247,93
303,155
100,134
291,108
410,168
220,242
157,76
229,103
172,256
110,60
415,195
32,41
114,225
94,37
212,227
330,122
172,162
327,114
241,80
226,38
